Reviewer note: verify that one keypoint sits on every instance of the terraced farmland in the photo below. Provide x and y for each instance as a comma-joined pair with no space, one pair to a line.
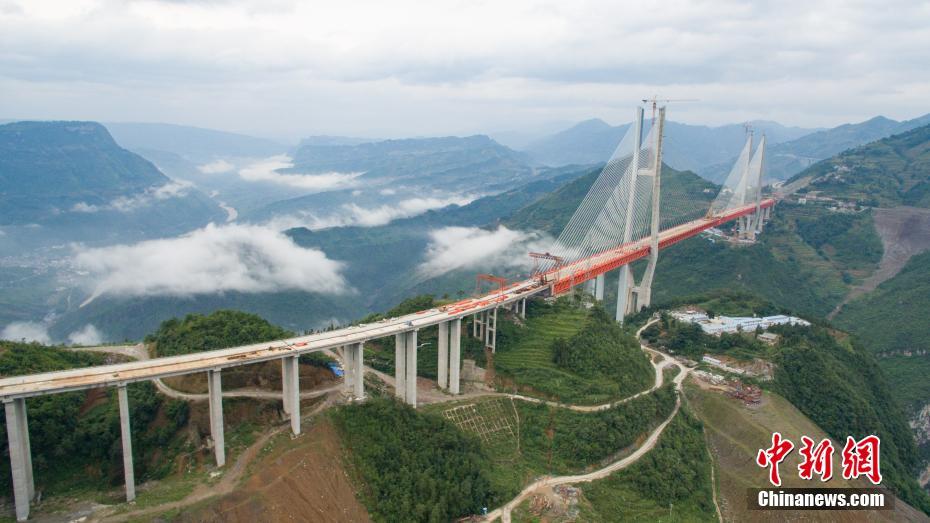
530,347
525,364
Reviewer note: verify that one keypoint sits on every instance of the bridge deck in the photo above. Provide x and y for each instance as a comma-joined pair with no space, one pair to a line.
558,280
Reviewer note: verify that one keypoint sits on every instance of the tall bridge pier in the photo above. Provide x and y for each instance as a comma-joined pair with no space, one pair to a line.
631,297
17,433
450,354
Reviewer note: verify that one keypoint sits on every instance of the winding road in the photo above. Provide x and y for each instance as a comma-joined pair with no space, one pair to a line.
503,513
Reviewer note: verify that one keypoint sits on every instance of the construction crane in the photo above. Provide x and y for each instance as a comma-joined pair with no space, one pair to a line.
545,256
655,101
501,282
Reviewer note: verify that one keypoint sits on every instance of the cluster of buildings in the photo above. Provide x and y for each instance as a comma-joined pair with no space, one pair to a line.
720,324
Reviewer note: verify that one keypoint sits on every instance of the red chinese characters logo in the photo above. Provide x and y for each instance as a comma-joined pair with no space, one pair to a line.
861,458
774,455
816,460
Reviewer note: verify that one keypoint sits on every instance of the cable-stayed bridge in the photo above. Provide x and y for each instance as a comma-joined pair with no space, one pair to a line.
623,218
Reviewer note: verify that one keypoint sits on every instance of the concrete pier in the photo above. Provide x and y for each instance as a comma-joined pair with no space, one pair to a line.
348,363
17,433
126,435
400,366
455,355
285,383
443,358
292,390
490,329
411,366
598,288
215,393
624,293
359,370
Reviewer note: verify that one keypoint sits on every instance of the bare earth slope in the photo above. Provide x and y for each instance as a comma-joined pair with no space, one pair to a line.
905,231
736,432
300,480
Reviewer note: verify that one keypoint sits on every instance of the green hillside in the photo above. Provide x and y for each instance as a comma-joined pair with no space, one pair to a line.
75,437
839,386
806,259
447,162
72,179
49,166
893,317
569,354
670,483
221,329
892,322
787,158
892,171
683,194
794,264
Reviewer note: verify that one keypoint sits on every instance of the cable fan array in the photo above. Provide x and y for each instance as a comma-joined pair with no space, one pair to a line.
617,207
744,183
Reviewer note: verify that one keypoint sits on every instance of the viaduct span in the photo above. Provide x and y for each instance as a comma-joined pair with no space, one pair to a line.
617,223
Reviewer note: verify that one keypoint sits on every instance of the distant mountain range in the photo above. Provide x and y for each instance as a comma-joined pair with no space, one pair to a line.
784,160
711,151
690,147
193,143
448,161
888,172
74,181
380,263
392,171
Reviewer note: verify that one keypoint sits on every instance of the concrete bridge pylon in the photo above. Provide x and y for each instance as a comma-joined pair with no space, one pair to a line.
631,297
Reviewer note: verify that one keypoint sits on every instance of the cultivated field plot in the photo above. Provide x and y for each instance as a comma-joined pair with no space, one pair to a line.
489,420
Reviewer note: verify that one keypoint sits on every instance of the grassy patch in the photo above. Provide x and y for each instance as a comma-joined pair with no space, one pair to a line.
670,483
894,316
416,465
523,440
563,352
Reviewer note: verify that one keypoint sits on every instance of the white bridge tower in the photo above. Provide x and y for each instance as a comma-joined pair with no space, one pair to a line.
631,297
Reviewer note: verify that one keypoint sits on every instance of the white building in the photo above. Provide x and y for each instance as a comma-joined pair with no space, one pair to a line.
720,324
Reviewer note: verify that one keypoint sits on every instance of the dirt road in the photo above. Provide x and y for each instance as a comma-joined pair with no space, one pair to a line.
504,512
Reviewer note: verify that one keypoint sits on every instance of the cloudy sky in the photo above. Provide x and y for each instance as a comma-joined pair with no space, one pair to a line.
285,68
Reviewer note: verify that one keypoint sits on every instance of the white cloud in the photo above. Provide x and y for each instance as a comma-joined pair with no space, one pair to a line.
84,207
173,189
216,167
87,336
352,214
266,171
28,330
403,209
211,260
456,248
